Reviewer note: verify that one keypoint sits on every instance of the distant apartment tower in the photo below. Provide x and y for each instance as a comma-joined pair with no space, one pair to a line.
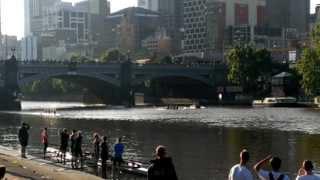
288,14
29,48
63,25
128,27
99,7
152,5
66,21
33,11
171,12
206,20
318,13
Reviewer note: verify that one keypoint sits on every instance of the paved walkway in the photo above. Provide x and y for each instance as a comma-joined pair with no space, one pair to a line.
35,168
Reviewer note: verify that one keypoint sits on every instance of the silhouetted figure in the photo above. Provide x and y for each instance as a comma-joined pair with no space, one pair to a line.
45,141
2,171
73,139
24,138
96,146
162,167
240,171
78,149
64,141
306,172
275,174
104,157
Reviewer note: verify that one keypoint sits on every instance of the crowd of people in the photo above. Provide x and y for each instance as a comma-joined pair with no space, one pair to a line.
162,167
241,171
100,149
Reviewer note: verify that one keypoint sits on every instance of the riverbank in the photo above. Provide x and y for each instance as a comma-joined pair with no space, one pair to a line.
35,168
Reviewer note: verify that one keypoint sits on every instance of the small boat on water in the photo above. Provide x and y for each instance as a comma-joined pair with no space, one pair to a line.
277,102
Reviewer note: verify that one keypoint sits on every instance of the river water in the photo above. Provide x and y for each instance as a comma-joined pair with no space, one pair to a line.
204,143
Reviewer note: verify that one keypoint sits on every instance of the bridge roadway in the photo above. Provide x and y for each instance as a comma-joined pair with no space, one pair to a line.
123,76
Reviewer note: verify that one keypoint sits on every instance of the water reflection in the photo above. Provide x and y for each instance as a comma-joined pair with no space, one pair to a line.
204,144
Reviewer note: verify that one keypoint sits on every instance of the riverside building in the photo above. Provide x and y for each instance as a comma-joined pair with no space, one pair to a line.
205,23
62,28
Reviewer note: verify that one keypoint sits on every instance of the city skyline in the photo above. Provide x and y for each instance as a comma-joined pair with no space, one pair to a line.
13,21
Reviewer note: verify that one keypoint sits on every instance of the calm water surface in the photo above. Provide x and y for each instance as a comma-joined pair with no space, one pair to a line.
204,143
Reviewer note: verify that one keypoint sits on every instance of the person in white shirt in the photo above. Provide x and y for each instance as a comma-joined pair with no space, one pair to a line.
275,174
305,172
240,171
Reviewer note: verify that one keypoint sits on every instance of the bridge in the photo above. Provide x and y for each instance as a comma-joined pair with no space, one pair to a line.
114,83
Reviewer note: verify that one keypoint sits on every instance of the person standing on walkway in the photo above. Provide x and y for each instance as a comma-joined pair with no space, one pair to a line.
45,141
78,149
96,147
73,138
240,171
305,172
24,138
104,157
275,174
118,152
162,167
64,141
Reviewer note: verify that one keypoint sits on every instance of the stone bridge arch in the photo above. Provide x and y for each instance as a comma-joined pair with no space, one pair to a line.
176,85
205,80
26,78
105,88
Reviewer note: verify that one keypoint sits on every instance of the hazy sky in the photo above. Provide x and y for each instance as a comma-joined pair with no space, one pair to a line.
12,13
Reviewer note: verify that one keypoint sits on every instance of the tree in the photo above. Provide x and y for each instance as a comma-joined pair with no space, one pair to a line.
309,65
309,69
80,59
113,55
142,53
249,67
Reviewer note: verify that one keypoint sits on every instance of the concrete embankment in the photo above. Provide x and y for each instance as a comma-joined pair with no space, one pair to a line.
35,168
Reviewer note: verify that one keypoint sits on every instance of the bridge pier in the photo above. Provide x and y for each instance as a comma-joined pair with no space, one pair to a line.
126,88
9,89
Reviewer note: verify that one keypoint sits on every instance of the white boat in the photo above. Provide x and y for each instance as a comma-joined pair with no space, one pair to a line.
277,102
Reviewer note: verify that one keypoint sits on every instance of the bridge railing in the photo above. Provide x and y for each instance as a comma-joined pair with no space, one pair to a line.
135,65
191,66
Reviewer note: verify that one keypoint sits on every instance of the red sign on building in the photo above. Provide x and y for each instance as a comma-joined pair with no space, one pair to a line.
261,15
241,14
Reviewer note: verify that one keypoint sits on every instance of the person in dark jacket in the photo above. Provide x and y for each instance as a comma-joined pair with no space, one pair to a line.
96,147
78,149
162,167
64,141
24,138
104,157
73,138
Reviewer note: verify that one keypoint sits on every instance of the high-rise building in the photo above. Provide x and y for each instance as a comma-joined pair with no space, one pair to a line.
59,25
205,22
99,7
195,25
29,48
171,12
288,14
152,5
128,27
318,14
34,11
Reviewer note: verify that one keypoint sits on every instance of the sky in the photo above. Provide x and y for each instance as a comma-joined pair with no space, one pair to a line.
13,16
